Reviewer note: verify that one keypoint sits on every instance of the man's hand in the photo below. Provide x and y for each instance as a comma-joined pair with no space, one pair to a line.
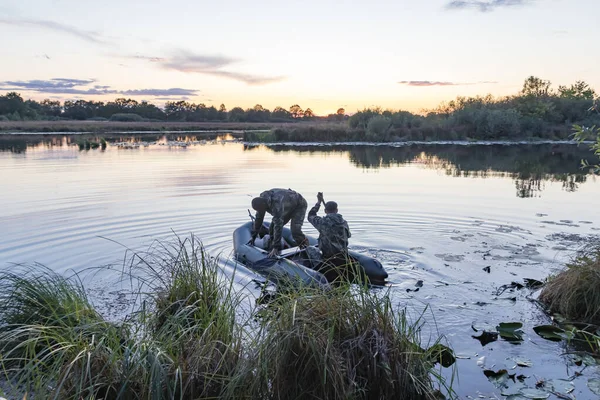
305,243
320,197
273,253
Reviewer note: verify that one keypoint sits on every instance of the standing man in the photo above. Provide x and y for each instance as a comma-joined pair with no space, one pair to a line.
333,237
284,205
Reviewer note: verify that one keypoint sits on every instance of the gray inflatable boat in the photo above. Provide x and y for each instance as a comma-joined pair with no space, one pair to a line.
292,264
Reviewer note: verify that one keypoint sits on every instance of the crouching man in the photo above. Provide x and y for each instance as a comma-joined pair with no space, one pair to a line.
285,205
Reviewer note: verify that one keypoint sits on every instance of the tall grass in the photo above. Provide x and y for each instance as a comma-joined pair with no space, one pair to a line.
187,339
575,292
52,340
336,344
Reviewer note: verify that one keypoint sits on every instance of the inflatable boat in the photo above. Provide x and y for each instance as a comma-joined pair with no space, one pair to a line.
293,264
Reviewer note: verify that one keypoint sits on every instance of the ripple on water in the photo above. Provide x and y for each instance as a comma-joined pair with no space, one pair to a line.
423,225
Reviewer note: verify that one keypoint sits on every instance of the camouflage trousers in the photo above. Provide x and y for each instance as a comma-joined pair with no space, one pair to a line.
296,219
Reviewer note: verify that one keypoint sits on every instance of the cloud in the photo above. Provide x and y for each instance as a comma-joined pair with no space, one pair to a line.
171,99
438,83
161,92
485,5
89,36
147,58
83,87
186,62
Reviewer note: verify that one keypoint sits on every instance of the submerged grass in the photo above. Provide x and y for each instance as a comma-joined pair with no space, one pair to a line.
575,292
187,340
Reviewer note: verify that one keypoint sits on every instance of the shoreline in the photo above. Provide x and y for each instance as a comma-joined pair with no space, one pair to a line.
80,127
240,135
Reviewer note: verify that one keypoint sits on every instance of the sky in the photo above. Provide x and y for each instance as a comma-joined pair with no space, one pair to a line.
323,55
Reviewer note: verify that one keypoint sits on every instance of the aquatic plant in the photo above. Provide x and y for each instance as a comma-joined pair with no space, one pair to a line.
575,291
584,133
52,340
344,343
191,338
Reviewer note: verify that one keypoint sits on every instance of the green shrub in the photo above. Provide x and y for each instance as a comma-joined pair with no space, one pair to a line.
378,128
126,117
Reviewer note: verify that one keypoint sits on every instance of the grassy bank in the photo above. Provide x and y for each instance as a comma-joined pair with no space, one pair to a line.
575,292
191,339
439,131
114,126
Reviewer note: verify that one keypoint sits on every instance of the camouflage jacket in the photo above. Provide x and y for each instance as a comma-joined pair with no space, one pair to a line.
333,232
281,204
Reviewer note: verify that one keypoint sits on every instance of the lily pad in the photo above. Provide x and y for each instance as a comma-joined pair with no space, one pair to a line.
497,378
594,385
486,337
531,393
442,354
562,386
589,360
550,332
533,283
510,331
523,362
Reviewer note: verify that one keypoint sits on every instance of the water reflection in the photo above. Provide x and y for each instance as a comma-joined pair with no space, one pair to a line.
31,143
529,165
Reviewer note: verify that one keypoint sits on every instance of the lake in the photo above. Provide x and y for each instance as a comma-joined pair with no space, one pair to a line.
437,213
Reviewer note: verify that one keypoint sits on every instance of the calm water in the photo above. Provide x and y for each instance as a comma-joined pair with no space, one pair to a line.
436,213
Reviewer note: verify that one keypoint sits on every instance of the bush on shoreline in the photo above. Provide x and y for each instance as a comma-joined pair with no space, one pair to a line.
188,338
575,292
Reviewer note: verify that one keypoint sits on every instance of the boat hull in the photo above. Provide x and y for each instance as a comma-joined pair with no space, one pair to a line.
289,267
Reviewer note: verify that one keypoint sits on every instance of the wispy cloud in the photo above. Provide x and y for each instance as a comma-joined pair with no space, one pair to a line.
161,92
171,99
438,83
84,87
485,5
147,58
184,61
89,36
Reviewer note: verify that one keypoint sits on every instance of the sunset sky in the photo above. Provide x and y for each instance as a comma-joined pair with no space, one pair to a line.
320,54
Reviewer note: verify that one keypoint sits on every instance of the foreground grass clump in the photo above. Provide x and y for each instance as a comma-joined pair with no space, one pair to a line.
190,338
193,321
575,292
183,342
52,340
340,344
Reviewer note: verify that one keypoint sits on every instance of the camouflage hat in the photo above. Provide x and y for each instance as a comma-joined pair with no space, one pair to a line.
331,206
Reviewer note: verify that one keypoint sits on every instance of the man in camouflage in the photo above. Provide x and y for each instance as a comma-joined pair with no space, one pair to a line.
333,239
284,205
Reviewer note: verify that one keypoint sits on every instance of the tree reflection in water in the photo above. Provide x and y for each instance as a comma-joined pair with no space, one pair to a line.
530,165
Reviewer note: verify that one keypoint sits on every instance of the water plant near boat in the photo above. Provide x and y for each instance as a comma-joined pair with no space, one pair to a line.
190,337
575,291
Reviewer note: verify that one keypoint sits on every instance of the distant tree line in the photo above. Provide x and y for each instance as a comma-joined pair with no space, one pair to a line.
537,111
14,108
